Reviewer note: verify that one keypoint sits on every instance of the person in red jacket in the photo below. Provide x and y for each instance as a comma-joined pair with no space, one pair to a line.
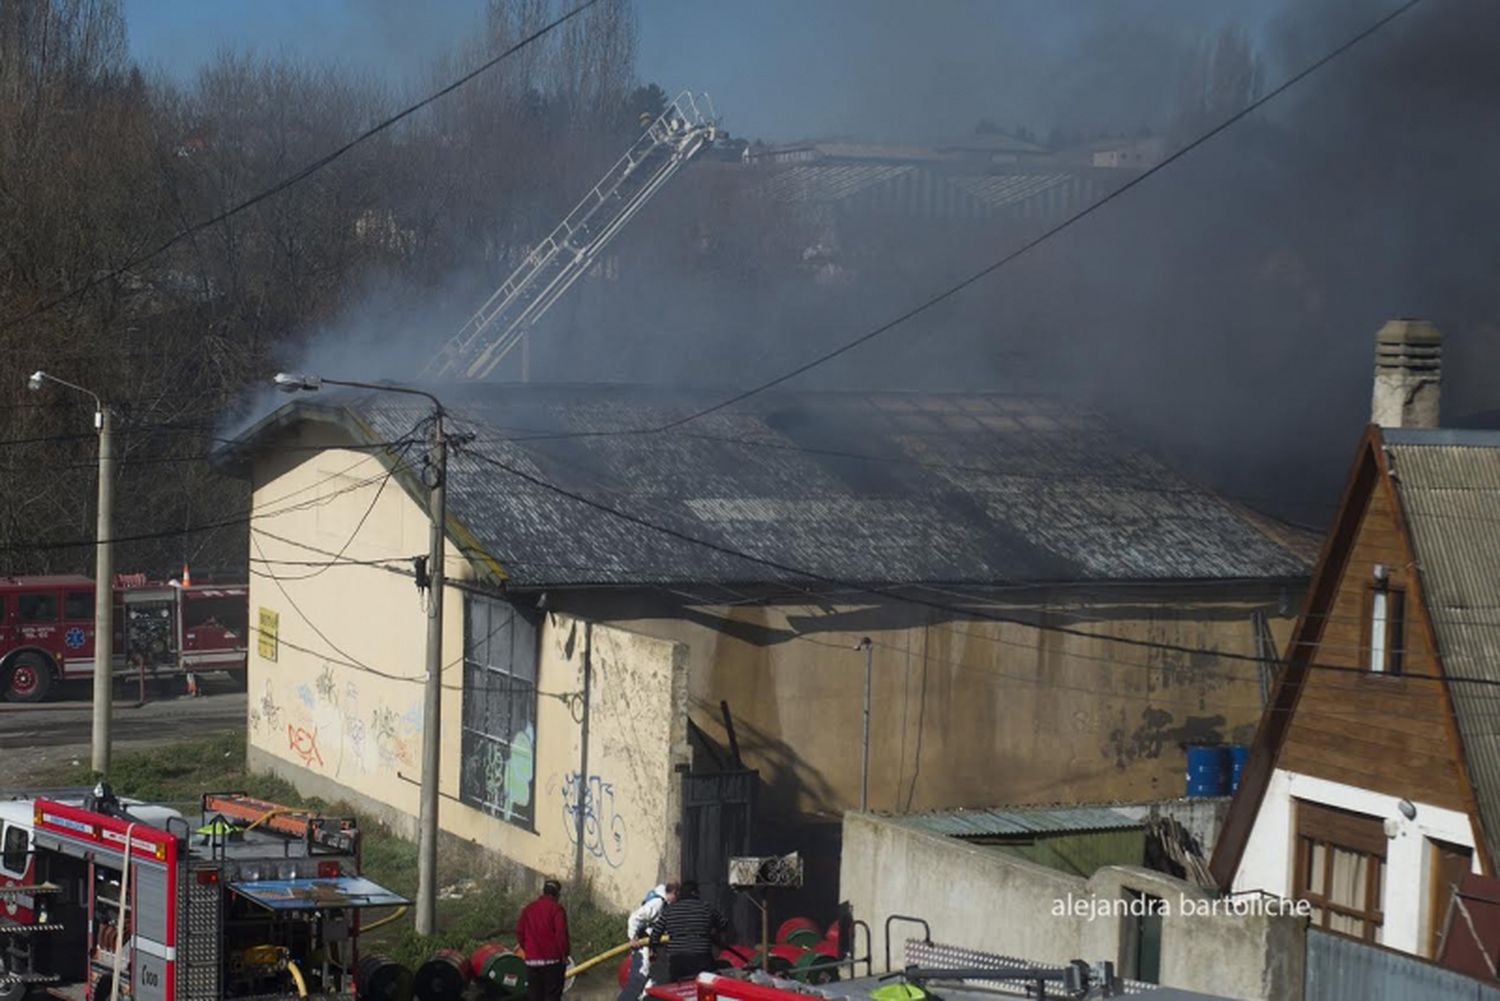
542,934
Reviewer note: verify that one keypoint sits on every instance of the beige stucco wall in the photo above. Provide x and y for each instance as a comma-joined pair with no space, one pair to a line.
339,710
985,900
972,713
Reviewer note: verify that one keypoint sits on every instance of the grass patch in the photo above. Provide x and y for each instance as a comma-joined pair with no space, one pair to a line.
476,902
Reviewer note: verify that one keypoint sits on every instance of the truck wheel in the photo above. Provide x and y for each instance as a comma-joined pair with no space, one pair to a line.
10,990
28,679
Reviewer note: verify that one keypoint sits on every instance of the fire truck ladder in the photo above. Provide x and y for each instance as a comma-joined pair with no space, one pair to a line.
679,134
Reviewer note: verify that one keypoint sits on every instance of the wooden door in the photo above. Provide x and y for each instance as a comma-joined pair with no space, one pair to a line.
1450,864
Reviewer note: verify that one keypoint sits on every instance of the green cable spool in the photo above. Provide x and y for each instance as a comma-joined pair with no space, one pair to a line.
502,971
805,937
815,968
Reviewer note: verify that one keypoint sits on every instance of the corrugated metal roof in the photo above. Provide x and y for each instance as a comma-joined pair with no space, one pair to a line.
1450,497
1021,821
873,488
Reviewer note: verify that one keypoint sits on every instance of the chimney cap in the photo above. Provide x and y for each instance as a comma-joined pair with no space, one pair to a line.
1408,331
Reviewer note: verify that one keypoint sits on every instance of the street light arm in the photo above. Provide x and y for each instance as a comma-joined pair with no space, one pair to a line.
37,378
293,383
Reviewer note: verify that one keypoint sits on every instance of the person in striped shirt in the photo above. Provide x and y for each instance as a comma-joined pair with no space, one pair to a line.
694,931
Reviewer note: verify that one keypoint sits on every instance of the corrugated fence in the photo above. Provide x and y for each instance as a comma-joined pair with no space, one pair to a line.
1342,969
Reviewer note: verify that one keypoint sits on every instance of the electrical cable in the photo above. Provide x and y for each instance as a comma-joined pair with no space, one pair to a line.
300,175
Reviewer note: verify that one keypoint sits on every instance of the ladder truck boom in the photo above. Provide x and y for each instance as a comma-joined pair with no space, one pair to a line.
674,138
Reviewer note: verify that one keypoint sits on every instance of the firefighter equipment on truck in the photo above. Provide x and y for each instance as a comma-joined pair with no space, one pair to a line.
250,899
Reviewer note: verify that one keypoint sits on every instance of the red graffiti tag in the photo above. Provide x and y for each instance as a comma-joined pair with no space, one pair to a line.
304,743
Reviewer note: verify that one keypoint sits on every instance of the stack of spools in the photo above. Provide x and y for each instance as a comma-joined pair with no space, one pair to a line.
803,953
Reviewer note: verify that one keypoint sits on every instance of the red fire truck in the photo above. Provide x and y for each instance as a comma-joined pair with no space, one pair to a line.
248,899
161,628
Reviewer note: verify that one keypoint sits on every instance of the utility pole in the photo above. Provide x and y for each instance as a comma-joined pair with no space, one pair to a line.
432,705
435,478
864,769
104,595
104,572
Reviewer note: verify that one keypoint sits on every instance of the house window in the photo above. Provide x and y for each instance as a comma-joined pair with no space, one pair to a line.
1340,869
498,771
13,852
1386,635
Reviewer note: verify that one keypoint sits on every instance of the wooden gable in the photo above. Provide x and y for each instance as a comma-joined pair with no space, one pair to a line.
1391,734
1332,718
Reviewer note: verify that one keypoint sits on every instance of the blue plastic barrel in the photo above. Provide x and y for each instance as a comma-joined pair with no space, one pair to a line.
1205,771
1238,755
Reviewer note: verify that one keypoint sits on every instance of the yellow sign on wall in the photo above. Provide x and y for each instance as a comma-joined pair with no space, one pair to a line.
267,630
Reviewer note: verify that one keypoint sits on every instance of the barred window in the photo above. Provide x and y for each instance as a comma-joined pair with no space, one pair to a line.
498,770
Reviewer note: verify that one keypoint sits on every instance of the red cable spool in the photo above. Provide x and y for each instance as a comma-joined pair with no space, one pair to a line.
443,977
503,971
735,957
797,931
623,974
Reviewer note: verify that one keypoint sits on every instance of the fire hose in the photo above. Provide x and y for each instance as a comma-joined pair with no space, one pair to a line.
124,916
297,978
400,912
593,961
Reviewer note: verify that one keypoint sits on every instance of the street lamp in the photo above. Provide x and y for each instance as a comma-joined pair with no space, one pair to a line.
427,816
104,573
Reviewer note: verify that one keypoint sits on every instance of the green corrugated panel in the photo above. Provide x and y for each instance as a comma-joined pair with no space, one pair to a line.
1081,854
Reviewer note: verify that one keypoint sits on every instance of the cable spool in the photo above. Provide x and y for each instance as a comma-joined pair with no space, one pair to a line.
382,979
734,957
797,931
818,965
779,963
623,973
443,977
502,971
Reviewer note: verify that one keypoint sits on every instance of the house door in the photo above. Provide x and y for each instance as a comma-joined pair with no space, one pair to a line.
718,811
1450,864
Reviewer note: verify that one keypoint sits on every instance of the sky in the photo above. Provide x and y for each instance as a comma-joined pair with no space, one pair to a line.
921,70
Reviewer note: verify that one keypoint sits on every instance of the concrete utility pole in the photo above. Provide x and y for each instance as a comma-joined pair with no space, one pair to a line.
864,768
434,477
104,573
432,705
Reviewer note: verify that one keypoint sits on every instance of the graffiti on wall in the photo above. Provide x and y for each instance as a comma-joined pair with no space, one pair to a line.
326,728
497,775
603,828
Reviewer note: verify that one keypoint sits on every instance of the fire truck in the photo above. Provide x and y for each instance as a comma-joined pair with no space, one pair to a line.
162,629
247,899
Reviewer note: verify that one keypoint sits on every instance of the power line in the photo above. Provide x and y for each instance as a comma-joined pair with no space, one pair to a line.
300,175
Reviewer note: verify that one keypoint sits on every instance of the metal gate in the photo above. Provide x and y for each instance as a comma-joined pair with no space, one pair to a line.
718,816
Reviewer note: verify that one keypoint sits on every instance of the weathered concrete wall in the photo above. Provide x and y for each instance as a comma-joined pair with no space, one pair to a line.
338,711
968,713
979,899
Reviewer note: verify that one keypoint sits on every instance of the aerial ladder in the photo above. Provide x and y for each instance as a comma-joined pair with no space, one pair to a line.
677,135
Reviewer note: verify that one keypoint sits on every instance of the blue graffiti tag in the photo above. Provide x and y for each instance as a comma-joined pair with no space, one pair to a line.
603,827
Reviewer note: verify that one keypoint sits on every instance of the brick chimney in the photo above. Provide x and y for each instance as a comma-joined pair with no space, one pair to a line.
1408,375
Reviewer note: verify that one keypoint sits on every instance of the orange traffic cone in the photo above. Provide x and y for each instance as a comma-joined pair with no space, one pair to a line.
187,578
